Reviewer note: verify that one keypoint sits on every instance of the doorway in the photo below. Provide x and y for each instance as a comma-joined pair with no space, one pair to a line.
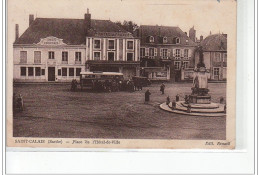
51,73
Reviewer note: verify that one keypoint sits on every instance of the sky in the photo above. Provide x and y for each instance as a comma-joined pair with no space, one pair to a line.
205,15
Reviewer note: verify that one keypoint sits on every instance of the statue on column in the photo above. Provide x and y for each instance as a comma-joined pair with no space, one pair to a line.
200,77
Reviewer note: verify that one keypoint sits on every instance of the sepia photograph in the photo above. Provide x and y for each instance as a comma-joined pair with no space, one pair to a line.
121,73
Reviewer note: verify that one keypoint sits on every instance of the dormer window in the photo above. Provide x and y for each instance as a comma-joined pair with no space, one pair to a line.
165,39
151,39
178,41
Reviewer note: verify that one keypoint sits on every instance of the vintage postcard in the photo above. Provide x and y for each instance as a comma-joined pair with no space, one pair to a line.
121,74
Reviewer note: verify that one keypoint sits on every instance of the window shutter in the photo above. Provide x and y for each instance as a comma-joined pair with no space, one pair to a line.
168,53
155,51
182,52
146,51
161,52
174,52
189,53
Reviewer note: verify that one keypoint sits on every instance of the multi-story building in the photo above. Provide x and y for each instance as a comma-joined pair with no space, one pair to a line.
164,52
215,55
54,49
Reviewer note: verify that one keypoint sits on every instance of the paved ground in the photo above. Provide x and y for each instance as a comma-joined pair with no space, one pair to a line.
54,111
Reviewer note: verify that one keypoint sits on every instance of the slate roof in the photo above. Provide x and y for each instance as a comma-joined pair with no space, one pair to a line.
158,32
216,42
72,31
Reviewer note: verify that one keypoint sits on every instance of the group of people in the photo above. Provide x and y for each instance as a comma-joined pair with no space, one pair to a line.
148,93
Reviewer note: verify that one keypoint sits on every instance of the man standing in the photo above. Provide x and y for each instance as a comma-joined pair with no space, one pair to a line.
147,96
162,88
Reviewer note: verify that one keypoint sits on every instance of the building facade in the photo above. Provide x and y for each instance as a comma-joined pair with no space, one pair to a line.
54,49
215,56
164,52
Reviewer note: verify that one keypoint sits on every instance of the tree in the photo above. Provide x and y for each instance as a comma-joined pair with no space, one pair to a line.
129,26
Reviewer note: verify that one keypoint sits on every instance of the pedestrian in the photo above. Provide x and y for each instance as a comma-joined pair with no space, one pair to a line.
189,108
221,100
20,102
162,88
173,105
168,100
177,98
147,96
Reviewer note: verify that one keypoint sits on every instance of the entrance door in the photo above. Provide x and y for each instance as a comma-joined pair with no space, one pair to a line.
51,73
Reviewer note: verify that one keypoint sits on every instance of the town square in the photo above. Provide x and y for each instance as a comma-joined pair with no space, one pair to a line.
52,110
98,78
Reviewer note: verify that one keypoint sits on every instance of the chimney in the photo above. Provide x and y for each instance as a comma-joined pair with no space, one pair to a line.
31,19
16,31
192,34
87,21
201,37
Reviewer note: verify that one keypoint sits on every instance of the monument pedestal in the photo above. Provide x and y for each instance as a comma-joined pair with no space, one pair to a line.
206,99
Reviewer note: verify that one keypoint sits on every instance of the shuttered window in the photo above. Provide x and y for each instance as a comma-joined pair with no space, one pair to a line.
23,56
37,57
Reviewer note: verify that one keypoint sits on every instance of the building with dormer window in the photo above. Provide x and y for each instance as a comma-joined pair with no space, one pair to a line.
53,49
215,55
164,57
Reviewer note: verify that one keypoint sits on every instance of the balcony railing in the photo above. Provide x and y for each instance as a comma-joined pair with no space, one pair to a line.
77,62
64,62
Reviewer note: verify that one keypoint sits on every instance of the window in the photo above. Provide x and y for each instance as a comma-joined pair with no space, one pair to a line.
217,57
23,56
130,45
185,64
216,71
71,72
164,53
78,70
130,56
164,39
37,57
151,52
177,53
37,71
151,39
64,72
30,71
77,56
111,44
65,56
146,51
224,57
43,71
177,65
97,44
142,52
111,56
23,71
59,72
97,55
176,40
51,55
186,53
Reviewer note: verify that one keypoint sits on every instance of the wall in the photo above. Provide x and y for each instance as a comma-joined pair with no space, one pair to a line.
45,62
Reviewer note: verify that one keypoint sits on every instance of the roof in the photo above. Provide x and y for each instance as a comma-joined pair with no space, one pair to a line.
72,31
158,32
216,42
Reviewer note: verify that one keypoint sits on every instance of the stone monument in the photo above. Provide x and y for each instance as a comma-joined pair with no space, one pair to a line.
200,83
